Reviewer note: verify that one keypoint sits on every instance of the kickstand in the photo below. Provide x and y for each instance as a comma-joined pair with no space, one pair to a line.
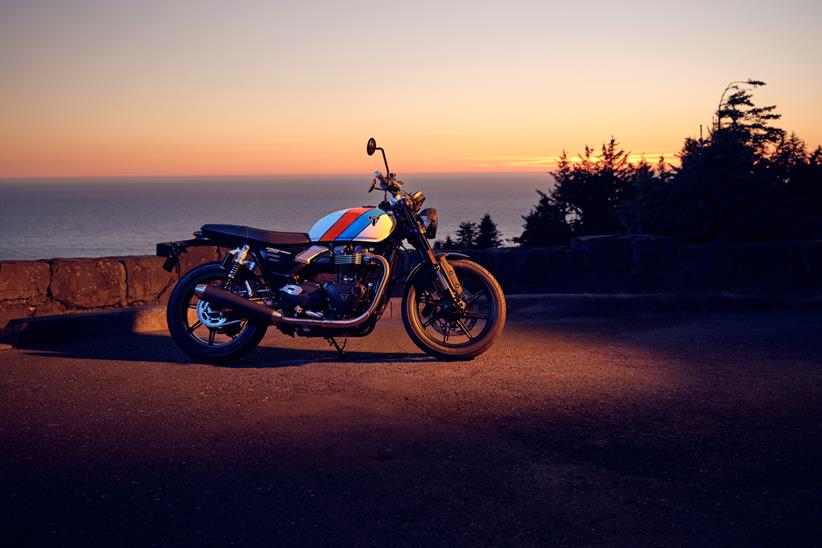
333,342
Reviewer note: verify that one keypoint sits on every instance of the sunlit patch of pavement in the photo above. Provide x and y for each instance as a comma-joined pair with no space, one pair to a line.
628,429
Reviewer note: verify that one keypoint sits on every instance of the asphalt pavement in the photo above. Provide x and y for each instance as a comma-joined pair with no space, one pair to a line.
629,429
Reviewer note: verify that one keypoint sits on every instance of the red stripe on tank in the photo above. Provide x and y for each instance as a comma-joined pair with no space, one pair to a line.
342,223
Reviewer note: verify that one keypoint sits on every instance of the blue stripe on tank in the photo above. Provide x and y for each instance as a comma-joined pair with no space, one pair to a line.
357,226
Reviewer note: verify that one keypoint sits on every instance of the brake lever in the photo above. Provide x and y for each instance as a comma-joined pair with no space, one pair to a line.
373,185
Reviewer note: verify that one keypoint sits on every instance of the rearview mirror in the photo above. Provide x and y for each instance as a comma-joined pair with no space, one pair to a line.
371,146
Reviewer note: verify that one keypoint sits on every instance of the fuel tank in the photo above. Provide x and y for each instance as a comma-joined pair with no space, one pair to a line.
357,224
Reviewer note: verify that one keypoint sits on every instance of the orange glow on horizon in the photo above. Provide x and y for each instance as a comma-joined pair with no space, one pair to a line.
170,89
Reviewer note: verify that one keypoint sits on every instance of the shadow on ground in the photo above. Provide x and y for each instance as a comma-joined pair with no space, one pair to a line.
159,347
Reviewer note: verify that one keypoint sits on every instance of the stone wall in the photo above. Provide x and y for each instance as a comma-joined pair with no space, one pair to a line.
594,264
70,286
650,264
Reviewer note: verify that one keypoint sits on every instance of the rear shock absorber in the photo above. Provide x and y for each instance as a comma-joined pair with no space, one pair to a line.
239,258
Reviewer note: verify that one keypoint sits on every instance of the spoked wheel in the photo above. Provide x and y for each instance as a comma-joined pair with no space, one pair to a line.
443,330
204,332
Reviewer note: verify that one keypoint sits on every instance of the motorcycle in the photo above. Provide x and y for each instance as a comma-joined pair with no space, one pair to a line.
333,282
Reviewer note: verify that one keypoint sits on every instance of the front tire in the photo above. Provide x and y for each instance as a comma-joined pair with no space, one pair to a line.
208,335
448,334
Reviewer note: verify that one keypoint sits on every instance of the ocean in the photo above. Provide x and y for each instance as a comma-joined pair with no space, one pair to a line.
41,219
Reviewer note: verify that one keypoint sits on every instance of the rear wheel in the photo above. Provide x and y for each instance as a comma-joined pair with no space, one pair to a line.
442,330
209,334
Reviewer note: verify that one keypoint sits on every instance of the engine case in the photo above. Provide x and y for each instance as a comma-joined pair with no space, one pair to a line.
308,295
344,298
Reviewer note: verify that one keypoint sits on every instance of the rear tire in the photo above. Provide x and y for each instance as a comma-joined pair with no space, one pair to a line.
182,317
432,331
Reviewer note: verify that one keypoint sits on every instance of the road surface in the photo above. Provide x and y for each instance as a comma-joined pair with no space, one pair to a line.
690,429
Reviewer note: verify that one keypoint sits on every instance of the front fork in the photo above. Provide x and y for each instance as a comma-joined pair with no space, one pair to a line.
445,278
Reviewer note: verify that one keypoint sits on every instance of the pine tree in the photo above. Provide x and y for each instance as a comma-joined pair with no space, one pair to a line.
748,123
588,191
467,235
448,243
748,180
584,199
488,235
545,224
723,189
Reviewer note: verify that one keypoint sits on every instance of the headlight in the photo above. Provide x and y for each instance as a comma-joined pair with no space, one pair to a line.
416,200
429,220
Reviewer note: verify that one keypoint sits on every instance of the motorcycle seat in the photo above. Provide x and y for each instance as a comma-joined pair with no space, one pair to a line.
268,237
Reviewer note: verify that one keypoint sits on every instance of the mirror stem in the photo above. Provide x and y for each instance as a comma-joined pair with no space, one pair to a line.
387,171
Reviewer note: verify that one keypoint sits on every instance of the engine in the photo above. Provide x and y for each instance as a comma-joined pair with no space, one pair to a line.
347,293
341,289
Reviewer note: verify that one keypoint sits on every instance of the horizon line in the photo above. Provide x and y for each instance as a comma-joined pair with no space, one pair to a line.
518,165
258,175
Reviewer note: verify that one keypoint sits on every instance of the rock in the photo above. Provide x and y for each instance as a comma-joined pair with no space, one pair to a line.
706,267
555,269
195,256
147,280
812,265
604,252
14,310
89,283
504,264
51,308
767,268
652,252
24,280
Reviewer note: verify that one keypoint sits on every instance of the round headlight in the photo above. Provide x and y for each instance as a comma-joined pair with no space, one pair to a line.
417,199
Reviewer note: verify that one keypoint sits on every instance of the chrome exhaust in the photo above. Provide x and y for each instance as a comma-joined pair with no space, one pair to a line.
215,295
221,297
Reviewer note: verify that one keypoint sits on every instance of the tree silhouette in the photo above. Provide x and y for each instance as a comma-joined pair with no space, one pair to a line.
545,224
584,199
467,235
723,189
487,234
749,124
643,206
448,243
589,190
748,180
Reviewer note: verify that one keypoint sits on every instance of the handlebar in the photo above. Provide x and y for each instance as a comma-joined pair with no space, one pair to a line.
388,183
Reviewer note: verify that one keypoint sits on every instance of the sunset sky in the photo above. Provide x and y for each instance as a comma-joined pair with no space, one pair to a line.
111,88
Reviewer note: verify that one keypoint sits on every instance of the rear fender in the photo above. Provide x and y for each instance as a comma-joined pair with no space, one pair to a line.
172,250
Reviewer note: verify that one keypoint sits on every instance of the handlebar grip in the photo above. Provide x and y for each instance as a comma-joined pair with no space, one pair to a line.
389,183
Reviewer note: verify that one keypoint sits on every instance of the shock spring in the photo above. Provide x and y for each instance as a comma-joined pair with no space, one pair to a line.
239,259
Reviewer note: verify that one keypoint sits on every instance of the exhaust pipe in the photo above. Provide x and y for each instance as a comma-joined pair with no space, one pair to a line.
221,297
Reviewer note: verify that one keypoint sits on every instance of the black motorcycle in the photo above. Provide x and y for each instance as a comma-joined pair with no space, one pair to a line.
333,282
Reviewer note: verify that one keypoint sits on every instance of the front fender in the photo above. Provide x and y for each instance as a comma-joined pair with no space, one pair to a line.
423,268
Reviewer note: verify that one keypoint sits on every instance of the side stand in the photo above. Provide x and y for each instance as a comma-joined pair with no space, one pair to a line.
333,342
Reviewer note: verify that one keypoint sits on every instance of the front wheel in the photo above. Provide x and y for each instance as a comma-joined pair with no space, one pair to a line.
442,330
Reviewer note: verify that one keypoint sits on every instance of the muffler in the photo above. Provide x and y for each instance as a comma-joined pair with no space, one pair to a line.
221,297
